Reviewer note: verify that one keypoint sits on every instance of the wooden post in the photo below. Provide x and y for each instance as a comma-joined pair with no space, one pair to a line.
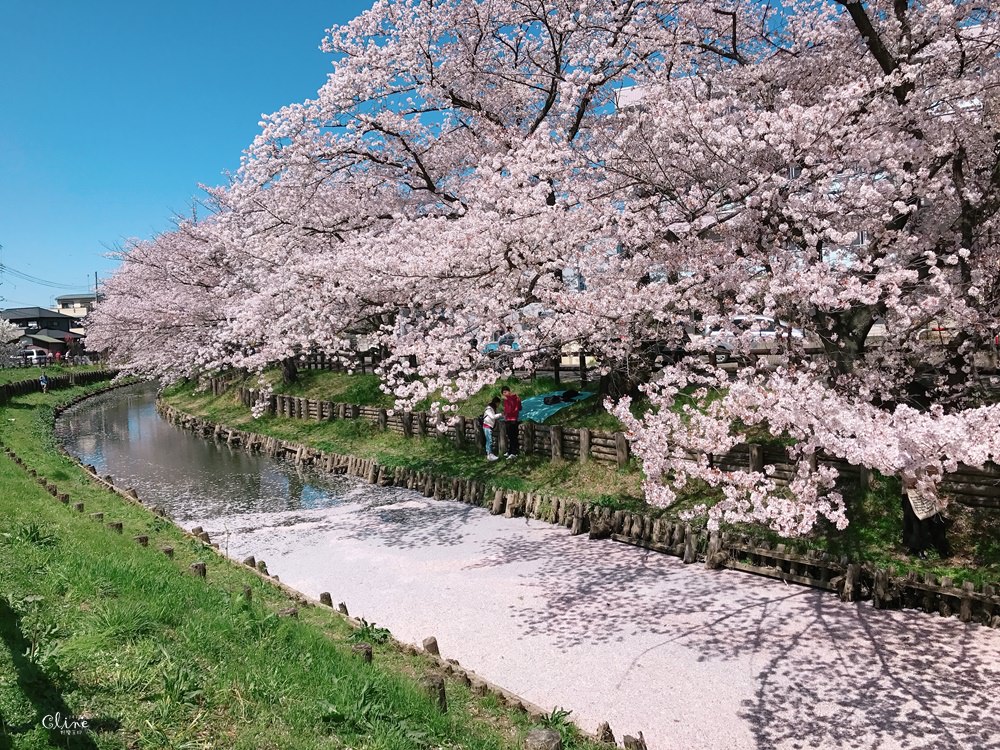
480,437
864,479
500,439
364,650
583,367
433,686
383,419
556,434
460,432
422,423
621,449
407,420
756,457
528,444
555,367
584,444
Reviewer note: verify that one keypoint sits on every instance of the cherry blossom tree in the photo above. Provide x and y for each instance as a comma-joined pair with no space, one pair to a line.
840,171
9,336
648,181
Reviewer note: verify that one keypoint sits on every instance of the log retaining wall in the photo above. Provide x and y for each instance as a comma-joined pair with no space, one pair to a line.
851,581
970,486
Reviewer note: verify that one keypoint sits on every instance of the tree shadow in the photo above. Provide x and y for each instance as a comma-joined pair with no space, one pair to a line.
43,694
6,743
825,674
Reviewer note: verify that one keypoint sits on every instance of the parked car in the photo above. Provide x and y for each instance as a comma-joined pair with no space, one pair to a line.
763,333
34,356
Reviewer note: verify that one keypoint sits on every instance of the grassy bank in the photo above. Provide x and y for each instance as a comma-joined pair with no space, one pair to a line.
364,389
592,480
874,534
11,374
92,624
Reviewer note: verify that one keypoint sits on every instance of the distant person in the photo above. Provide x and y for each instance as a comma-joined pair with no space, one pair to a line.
44,382
923,524
511,416
490,417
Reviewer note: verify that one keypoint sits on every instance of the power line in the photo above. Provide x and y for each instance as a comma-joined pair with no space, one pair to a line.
4,268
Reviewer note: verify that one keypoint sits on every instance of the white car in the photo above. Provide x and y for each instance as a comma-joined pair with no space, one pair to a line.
760,331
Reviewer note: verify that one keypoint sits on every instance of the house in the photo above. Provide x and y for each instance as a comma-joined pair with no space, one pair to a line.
44,329
76,306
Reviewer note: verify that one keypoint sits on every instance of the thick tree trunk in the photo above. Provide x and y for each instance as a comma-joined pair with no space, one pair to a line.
850,331
289,370
617,383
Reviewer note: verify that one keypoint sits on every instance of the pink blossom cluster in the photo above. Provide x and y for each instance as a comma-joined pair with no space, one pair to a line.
813,186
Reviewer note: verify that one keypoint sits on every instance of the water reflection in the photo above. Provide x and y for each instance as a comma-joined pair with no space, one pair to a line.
190,477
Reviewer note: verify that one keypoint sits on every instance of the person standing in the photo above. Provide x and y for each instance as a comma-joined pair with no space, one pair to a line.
490,418
511,415
43,381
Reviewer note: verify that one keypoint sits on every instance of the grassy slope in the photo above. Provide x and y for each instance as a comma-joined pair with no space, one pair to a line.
159,658
876,519
364,389
11,374
590,480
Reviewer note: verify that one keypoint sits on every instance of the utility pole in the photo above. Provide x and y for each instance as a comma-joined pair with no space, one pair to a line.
96,293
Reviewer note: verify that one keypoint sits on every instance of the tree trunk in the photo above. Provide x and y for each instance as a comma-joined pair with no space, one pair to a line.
289,371
617,383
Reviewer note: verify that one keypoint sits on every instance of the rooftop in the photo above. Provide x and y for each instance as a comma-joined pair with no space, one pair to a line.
26,313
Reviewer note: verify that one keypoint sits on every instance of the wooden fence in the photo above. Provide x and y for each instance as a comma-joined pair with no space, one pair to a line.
574,367
974,487
21,387
852,581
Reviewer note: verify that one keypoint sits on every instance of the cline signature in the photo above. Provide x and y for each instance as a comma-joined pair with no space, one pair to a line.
65,724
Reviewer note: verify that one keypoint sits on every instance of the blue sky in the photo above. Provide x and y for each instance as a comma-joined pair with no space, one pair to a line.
113,112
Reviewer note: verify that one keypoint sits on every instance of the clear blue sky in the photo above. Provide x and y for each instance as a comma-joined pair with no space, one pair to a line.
112,113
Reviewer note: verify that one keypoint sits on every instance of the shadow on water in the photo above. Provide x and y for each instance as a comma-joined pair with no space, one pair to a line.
404,520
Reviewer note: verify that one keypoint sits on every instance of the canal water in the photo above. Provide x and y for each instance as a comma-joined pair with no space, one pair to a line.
693,658
190,477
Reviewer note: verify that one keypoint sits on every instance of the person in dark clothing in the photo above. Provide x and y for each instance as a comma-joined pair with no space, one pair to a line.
922,531
511,415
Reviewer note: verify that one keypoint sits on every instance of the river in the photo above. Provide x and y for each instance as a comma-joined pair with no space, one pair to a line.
693,658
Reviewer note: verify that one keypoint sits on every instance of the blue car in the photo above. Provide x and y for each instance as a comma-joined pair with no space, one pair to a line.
504,343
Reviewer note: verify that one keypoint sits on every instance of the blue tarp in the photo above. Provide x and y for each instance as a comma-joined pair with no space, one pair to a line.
535,409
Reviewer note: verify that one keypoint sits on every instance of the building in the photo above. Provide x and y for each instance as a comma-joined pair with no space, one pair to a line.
76,306
45,329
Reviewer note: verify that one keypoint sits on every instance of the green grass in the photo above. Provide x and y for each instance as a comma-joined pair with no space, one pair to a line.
11,374
92,624
323,385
